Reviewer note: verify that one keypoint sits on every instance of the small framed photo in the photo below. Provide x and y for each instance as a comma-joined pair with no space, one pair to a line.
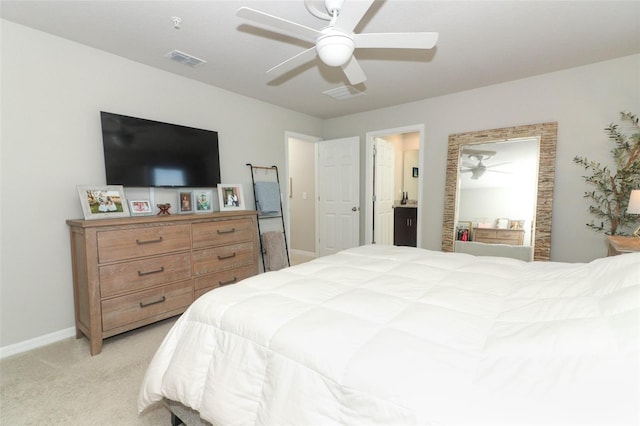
102,202
140,207
502,223
202,200
516,224
231,197
185,202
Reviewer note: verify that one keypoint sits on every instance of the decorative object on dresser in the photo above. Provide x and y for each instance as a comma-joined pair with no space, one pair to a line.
185,202
140,207
231,197
163,208
514,237
132,272
634,208
621,244
101,202
203,201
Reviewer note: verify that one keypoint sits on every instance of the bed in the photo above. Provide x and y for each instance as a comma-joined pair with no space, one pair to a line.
398,335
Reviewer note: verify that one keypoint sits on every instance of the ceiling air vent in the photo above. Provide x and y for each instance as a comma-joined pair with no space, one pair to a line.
343,92
185,58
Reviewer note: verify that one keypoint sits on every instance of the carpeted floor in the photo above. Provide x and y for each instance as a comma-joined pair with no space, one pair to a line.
62,384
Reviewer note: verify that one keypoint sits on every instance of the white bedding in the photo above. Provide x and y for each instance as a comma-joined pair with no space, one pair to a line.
398,335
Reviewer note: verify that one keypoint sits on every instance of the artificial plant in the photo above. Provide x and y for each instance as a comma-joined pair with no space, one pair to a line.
612,187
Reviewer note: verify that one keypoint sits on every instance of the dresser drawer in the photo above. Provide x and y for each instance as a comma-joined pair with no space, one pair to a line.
218,259
120,311
143,241
141,274
231,276
222,232
485,233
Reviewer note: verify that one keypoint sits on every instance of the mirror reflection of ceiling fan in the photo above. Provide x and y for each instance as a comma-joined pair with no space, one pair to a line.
478,169
335,43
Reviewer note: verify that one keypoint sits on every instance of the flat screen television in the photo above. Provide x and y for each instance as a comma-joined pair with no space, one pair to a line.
146,153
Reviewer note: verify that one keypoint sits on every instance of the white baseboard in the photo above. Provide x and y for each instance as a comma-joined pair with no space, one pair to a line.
37,342
303,253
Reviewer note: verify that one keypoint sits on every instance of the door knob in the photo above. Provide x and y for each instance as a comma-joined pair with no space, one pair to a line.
354,209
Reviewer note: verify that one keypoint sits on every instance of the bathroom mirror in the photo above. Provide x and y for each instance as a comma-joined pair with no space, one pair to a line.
462,145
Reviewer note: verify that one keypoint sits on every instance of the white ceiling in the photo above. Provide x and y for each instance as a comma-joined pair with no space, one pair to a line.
481,43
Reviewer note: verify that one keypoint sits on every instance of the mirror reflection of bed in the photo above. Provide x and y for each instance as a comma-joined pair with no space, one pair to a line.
497,196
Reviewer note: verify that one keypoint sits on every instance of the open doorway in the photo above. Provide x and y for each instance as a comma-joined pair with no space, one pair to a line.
300,195
407,143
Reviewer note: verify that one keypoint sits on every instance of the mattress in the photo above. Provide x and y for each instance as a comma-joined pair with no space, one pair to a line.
399,335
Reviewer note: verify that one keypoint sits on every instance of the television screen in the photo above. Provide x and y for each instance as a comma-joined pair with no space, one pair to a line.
146,153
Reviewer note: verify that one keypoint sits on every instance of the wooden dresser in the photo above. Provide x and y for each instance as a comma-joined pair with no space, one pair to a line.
131,272
618,244
514,237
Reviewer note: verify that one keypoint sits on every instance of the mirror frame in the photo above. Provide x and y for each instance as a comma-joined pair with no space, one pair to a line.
548,136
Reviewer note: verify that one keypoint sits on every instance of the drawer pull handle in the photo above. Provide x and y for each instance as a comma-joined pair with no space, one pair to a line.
230,231
139,242
231,256
231,281
155,302
157,271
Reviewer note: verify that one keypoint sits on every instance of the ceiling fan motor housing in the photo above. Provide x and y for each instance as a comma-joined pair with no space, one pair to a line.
335,47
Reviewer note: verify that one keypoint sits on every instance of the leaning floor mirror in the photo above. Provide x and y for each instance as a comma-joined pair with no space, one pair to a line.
499,192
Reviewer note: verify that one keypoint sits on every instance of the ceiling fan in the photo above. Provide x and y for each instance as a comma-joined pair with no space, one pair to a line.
335,43
478,169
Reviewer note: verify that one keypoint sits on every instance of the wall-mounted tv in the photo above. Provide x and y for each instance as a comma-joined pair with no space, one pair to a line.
147,153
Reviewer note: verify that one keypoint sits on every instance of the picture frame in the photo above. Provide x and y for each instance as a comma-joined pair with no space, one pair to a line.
231,197
516,224
185,202
103,202
502,223
463,231
140,207
202,201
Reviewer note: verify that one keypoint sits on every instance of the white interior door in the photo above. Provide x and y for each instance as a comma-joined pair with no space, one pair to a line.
338,195
384,153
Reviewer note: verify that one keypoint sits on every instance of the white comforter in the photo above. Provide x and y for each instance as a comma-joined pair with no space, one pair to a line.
397,335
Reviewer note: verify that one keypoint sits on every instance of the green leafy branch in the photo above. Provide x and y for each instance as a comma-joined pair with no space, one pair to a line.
611,188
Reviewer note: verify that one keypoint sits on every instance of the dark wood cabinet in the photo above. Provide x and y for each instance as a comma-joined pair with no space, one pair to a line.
405,222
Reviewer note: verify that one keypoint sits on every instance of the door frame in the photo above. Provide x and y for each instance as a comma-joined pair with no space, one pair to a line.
367,208
311,139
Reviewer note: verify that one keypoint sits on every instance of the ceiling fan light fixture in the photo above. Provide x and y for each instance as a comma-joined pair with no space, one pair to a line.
335,48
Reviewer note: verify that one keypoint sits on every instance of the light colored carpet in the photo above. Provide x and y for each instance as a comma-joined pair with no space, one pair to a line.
62,384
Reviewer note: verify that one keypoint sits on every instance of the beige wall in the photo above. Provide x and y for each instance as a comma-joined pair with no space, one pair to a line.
52,92
582,100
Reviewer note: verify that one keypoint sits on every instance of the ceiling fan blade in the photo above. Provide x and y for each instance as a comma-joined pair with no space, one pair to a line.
396,40
468,164
294,61
353,72
351,13
499,171
299,31
498,165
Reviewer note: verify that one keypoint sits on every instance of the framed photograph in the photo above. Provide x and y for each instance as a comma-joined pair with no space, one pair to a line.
231,197
414,172
140,207
102,202
463,231
185,202
516,224
202,200
502,223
